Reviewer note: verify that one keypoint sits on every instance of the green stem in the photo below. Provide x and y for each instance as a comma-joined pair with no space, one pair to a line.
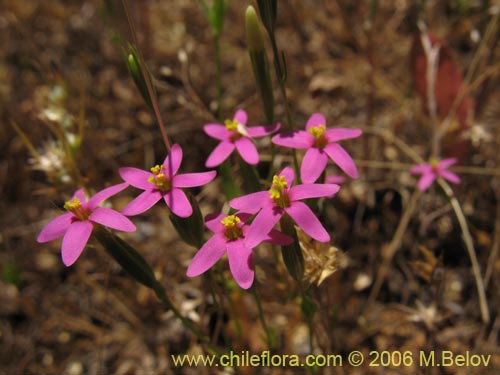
218,76
262,318
162,295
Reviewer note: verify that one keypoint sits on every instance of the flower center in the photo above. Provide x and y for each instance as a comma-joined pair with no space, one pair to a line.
160,179
434,163
75,207
232,230
279,192
236,128
319,133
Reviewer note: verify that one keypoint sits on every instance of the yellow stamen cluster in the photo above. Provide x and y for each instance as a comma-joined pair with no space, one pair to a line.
231,125
434,163
277,193
232,230
75,206
238,130
319,133
160,179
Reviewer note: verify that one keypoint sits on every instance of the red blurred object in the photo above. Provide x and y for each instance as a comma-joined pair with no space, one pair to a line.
448,84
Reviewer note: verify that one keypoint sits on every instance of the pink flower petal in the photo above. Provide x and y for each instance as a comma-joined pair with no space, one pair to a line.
112,219
105,194
240,116
315,120
141,203
338,134
297,139
278,238
265,220
193,179
313,164
207,256
450,176
425,181
240,263
334,179
55,228
342,159
247,150
74,241
136,177
305,218
220,153
178,203
261,131
217,131
80,194
252,202
306,191
213,222
421,169
289,175
173,161
445,163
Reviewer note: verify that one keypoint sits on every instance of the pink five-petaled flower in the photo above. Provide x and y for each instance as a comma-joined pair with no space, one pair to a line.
235,134
163,182
320,143
231,237
282,199
75,226
434,169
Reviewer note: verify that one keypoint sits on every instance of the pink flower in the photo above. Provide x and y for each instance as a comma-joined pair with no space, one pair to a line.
335,179
76,225
163,182
434,169
231,237
235,134
282,199
320,144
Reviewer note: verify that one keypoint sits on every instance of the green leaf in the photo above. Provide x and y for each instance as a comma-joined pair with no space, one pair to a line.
126,256
190,229
292,254
251,182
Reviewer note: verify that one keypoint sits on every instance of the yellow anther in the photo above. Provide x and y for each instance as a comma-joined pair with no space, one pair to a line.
232,230
157,169
433,162
230,221
73,205
160,180
276,192
317,131
231,125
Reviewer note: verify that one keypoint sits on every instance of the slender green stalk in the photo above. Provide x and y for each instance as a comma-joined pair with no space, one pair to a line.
162,295
269,336
152,95
218,76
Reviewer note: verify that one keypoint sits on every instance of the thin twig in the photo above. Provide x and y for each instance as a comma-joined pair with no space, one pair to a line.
390,251
467,237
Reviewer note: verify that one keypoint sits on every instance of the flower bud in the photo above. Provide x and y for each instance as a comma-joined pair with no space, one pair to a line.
268,10
138,74
260,64
252,27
